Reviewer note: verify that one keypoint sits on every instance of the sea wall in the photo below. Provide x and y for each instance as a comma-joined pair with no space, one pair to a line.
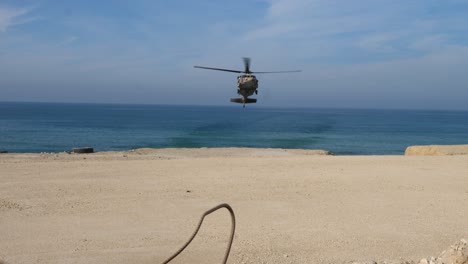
437,150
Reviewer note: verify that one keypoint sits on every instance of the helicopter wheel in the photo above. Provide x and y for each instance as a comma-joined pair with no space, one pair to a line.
256,92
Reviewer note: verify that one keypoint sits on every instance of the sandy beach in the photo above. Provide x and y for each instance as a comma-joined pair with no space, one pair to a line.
291,206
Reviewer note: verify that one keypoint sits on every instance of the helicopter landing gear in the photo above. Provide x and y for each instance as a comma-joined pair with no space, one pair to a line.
256,91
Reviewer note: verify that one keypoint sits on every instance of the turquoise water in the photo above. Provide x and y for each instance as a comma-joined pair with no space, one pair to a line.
48,127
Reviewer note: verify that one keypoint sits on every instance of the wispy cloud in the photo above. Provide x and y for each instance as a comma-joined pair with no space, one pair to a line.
11,16
67,41
370,26
380,42
430,42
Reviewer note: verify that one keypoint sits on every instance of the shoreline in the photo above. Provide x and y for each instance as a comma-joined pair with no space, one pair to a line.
175,153
416,150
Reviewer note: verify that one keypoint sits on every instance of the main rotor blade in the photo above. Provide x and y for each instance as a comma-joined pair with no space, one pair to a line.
217,69
278,71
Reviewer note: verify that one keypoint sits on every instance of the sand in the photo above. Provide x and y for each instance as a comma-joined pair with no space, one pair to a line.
291,206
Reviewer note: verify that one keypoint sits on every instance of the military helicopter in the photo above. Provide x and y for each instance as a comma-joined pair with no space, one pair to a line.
247,84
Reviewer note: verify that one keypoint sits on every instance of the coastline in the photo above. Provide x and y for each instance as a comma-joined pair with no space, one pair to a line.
205,152
173,153
291,206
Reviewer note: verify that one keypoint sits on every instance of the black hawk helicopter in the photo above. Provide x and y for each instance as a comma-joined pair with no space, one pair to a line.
247,84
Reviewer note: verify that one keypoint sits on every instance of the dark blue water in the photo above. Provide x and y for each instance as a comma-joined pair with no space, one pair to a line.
45,127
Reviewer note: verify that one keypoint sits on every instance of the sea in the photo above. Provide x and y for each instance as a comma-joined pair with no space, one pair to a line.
58,127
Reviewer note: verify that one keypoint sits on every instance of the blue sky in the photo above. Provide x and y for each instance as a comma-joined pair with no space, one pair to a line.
406,54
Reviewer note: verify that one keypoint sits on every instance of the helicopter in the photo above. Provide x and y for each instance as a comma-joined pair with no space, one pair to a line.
247,83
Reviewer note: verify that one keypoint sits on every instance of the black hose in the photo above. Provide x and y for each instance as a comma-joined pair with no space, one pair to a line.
233,229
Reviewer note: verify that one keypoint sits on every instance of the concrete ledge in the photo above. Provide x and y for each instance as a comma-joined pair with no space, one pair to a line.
437,150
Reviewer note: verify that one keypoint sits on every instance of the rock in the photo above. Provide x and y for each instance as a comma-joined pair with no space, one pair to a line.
423,261
456,254
437,150
83,150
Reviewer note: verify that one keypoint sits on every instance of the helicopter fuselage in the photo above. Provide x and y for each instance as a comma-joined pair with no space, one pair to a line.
247,85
